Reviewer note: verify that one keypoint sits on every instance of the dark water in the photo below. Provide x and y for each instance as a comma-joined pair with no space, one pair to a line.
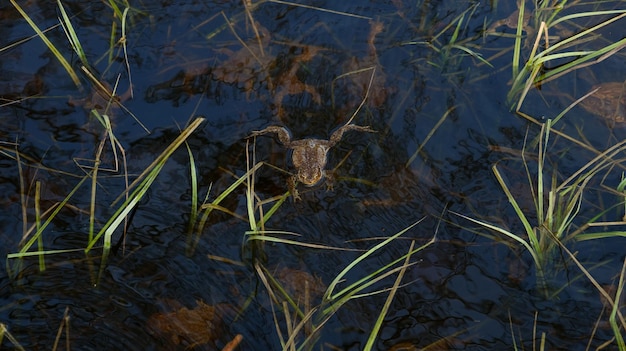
466,291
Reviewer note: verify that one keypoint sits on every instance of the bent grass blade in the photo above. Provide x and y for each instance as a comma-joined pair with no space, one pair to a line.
66,65
40,229
381,317
142,183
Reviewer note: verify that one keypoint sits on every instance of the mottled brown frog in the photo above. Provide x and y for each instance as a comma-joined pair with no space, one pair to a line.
608,101
309,155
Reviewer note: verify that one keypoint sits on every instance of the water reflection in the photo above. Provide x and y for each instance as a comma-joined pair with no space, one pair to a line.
442,121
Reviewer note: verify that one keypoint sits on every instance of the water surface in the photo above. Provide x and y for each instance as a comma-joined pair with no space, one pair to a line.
308,70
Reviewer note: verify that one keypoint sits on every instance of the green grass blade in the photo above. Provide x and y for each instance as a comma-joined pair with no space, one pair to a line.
150,175
381,317
49,44
341,275
58,208
225,193
254,235
615,310
193,175
124,46
351,290
72,37
596,284
38,253
472,53
505,233
517,48
586,14
603,235
530,232
42,262
268,214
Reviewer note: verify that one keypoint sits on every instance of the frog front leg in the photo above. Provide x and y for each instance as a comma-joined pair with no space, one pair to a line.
338,134
292,183
329,175
282,132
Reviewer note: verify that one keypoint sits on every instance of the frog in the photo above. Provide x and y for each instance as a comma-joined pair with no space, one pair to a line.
512,22
309,155
607,100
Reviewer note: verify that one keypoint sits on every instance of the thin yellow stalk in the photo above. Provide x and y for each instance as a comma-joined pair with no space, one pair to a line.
615,310
320,9
595,164
512,331
112,41
110,95
605,295
37,253
265,238
585,14
94,188
568,108
65,324
292,335
269,278
5,332
247,5
241,41
23,200
369,85
268,287
566,41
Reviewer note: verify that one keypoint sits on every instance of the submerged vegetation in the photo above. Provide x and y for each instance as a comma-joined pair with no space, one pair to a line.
557,208
562,212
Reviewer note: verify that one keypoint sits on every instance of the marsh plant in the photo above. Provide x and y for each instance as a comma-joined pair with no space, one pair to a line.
302,306
94,170
549,51
556,220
